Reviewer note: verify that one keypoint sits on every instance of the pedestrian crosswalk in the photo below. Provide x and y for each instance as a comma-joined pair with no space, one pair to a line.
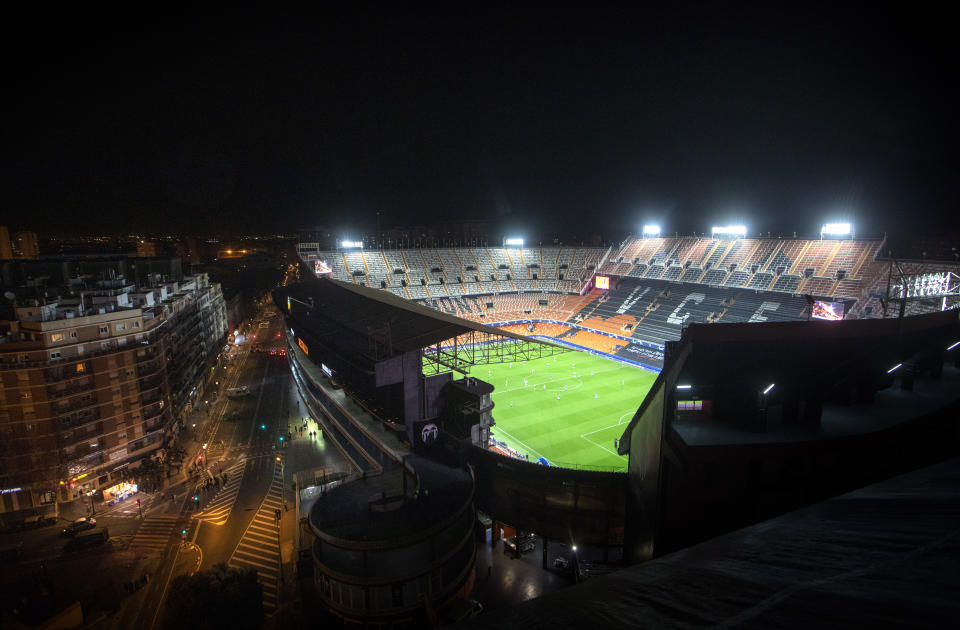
217,511
259,548
155,532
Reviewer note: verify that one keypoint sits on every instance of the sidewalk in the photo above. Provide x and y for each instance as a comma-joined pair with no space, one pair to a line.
301,453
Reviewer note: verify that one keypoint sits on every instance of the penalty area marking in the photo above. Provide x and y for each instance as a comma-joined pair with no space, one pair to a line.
532,450
619,423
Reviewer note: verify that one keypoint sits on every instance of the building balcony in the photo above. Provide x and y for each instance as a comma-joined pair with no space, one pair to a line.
150,383
78,420
148,369
75,436
54,392
68,372
151,411
150,397
63,407
85,453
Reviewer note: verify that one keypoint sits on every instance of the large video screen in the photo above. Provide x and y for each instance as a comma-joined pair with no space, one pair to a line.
832,311
603,282
321,268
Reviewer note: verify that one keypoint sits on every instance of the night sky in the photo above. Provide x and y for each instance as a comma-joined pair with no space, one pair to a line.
595,121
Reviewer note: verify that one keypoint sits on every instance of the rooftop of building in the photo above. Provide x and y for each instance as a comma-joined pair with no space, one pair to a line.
882,555
379,508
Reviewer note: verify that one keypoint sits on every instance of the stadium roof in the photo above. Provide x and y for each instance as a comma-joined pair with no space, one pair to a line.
345,315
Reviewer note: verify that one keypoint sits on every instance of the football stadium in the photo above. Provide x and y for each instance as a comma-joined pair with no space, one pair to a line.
618,402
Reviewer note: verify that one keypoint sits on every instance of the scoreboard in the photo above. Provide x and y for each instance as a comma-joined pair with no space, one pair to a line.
603,282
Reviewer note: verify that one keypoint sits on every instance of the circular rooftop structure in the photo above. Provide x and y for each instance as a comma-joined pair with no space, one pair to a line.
385,543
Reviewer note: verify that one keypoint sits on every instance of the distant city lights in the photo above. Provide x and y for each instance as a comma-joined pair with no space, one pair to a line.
729,230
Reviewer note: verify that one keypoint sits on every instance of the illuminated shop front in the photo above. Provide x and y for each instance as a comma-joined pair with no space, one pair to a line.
120,491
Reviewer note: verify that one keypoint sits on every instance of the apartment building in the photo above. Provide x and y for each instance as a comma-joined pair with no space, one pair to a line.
26,244
6,248
93,379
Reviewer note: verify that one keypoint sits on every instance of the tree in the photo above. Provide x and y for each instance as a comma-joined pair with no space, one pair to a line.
222,597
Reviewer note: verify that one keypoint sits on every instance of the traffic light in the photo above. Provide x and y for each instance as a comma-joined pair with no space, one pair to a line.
138,502
281,438
196,498
263,426
183,532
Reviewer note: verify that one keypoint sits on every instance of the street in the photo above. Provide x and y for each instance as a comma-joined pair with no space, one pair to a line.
220,507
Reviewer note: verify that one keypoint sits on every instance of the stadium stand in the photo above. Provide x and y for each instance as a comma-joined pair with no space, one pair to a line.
547,282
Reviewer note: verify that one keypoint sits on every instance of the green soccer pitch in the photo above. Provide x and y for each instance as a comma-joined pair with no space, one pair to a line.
568,408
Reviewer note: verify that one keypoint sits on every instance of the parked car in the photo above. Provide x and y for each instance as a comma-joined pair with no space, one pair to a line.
39,520
81,524
87,541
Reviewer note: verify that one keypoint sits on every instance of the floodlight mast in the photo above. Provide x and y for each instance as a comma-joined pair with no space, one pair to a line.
651,230
836,229
513,242
729,230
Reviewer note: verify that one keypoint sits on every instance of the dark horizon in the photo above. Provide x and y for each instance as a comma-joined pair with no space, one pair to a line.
689,118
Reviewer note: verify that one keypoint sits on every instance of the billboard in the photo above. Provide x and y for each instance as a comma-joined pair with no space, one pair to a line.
603,282
321,268
832,311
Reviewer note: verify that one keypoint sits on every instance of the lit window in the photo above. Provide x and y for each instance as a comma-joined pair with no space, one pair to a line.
55,337
693,405
81,368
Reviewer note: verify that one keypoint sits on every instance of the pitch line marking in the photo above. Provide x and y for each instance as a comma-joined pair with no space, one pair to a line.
532,450
601,446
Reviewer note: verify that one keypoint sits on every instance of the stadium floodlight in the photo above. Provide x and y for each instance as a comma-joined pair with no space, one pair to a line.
897,366
574,548
836,229
953,346
729,230
351,244
513,242
767,390
684,386
651,230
